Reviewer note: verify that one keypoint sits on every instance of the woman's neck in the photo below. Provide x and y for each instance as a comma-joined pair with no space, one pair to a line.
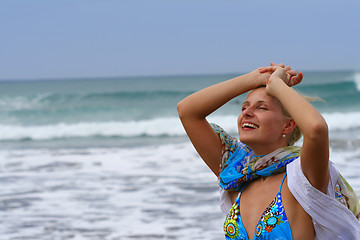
263,150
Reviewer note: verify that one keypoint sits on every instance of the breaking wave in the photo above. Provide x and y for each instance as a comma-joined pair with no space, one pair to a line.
159,127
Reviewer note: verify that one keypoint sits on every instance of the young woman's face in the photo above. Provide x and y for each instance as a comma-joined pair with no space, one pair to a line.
262,121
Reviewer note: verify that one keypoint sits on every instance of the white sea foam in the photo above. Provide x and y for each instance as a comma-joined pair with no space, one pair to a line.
22,102
154,127
145,193
357,80
343,121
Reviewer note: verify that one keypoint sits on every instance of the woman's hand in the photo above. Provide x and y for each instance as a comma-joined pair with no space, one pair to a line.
285,73
259,77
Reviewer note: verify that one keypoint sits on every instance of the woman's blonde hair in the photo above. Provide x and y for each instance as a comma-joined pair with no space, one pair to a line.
296,134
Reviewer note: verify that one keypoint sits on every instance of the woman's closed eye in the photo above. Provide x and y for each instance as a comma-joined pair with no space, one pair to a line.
262,106
258,107
244,107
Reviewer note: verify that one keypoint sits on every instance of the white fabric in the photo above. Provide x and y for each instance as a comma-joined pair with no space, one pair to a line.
331,219
225,201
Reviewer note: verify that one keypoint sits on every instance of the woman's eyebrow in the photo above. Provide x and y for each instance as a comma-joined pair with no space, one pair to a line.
260,101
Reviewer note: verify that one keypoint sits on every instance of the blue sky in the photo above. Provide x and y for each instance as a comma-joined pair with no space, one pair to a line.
97,38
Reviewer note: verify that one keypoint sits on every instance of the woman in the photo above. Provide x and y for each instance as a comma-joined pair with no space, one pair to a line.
299,183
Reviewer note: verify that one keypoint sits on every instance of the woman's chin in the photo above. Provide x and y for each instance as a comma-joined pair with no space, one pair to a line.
248,141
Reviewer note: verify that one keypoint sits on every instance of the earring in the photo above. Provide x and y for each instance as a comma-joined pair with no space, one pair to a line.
284,136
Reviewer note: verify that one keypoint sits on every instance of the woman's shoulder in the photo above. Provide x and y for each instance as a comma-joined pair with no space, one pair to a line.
229,143
226,139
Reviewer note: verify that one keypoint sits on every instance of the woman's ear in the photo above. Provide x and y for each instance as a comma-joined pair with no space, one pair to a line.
289,127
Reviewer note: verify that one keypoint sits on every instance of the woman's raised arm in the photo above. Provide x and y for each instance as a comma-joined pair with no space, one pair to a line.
315,149
194,109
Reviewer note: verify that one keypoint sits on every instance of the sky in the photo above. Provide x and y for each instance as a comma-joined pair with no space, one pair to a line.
47,39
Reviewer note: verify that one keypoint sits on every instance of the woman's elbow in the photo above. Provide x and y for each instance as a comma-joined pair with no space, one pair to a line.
318,130
180,109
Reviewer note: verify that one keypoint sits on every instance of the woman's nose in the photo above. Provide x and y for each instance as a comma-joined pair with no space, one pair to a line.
247,111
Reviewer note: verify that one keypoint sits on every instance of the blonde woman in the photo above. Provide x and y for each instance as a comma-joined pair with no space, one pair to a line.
271,189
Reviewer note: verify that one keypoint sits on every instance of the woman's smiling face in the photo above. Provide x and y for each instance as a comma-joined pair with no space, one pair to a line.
262,121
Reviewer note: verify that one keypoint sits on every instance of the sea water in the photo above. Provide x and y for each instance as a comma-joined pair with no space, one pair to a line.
109,159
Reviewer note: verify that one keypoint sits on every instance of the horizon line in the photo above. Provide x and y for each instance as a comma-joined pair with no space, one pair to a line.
150,76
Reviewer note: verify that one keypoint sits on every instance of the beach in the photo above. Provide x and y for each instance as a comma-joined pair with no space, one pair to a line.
107,158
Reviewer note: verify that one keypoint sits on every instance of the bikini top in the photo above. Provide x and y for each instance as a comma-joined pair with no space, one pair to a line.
273,223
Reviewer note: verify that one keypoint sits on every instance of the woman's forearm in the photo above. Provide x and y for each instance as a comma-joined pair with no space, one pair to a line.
206,101
308,119
315,147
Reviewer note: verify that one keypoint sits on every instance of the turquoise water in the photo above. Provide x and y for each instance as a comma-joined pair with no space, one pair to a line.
107,108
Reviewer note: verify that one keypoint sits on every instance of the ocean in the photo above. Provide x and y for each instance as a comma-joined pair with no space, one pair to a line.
107,158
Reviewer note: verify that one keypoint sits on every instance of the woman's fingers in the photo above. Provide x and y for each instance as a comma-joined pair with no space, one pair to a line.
273,68
287,68
292,72
272,64
293,77
300,77
296,79
265,69
268,69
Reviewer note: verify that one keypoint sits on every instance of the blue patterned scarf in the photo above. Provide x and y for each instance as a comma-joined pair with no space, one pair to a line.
243,166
